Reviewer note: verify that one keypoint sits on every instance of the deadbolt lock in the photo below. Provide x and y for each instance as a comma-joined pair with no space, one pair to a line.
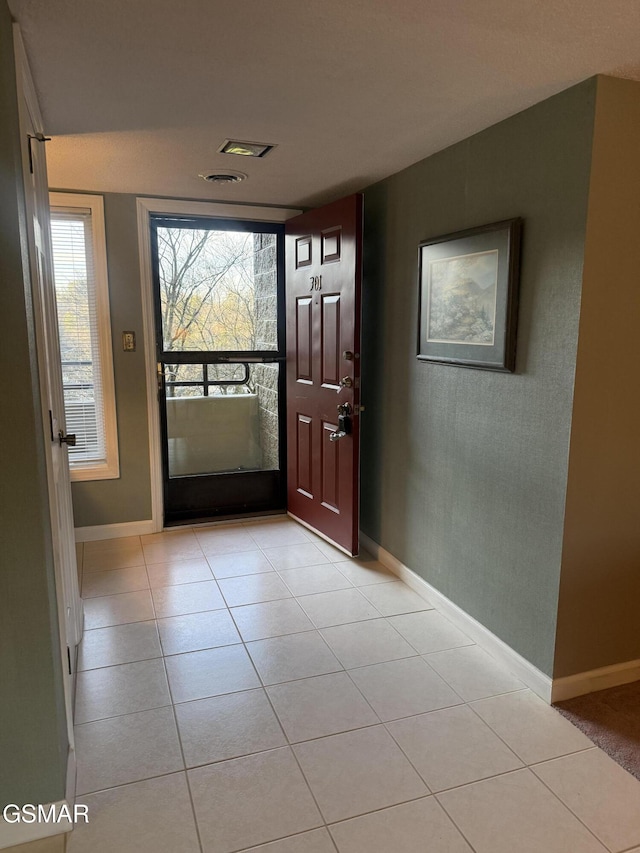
344,422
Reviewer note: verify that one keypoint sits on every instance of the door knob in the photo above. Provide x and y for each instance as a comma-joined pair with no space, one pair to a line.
336,436
69,439
345,382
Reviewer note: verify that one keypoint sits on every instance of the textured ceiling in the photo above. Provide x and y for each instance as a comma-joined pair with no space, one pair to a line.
139,94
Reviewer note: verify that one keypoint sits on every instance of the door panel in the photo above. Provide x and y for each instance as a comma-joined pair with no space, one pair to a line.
305,464
331,363
331,244
304,331
330,468
303,251
324,270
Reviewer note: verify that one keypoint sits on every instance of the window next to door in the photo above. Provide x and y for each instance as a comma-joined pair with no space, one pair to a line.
82,296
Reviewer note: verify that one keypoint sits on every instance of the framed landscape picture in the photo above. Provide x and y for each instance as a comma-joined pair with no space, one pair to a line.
469,297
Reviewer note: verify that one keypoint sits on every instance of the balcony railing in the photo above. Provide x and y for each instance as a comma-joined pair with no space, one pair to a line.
205,383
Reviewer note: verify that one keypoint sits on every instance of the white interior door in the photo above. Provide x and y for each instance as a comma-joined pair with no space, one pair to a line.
49,365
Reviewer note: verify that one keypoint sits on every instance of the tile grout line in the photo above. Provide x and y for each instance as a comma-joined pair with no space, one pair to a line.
316,565
568,807
300,677
499,736
132,782
124,663
126,714
284,838
184,760
459,828
406,802
524,769
428,796
113,569
565,755
384,725
450,816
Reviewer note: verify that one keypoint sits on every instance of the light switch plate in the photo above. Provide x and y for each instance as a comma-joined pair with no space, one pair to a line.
129,341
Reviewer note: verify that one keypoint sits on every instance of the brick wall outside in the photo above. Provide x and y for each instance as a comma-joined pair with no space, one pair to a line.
266,375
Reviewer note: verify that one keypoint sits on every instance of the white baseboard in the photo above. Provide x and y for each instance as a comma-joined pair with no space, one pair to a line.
551,690
536,680
14,834
595,679
114,531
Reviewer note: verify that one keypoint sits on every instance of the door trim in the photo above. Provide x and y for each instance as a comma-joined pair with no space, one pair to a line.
145,208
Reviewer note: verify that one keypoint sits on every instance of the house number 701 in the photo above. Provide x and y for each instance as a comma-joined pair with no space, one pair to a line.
316,282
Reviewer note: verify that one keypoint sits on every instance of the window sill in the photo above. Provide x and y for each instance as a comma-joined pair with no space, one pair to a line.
84,473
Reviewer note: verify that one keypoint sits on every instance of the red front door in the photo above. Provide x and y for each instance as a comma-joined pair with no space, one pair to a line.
323,285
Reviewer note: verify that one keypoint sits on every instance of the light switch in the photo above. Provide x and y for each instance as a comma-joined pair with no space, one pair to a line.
129,341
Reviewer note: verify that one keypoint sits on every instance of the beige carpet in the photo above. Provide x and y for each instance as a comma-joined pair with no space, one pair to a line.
611,718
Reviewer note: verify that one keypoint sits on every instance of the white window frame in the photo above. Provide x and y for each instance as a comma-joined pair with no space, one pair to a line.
110,468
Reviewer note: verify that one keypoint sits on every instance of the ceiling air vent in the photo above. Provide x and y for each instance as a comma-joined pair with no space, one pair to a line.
224,177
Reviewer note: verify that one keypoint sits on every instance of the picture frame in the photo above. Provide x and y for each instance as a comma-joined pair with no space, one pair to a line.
468,297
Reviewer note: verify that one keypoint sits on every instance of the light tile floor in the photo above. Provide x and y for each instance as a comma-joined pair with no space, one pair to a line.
248,687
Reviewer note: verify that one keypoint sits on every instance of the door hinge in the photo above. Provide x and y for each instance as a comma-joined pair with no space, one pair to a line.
39,137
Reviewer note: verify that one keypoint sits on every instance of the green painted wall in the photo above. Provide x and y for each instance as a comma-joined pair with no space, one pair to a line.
33,743
598,618
464,472
129,497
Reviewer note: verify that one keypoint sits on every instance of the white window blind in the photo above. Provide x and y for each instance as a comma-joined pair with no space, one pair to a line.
85,345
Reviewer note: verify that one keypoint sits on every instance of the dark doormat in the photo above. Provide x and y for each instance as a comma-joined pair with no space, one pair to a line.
611,718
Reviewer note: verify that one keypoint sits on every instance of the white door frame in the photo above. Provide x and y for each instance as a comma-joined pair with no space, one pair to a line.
70,614
146,207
